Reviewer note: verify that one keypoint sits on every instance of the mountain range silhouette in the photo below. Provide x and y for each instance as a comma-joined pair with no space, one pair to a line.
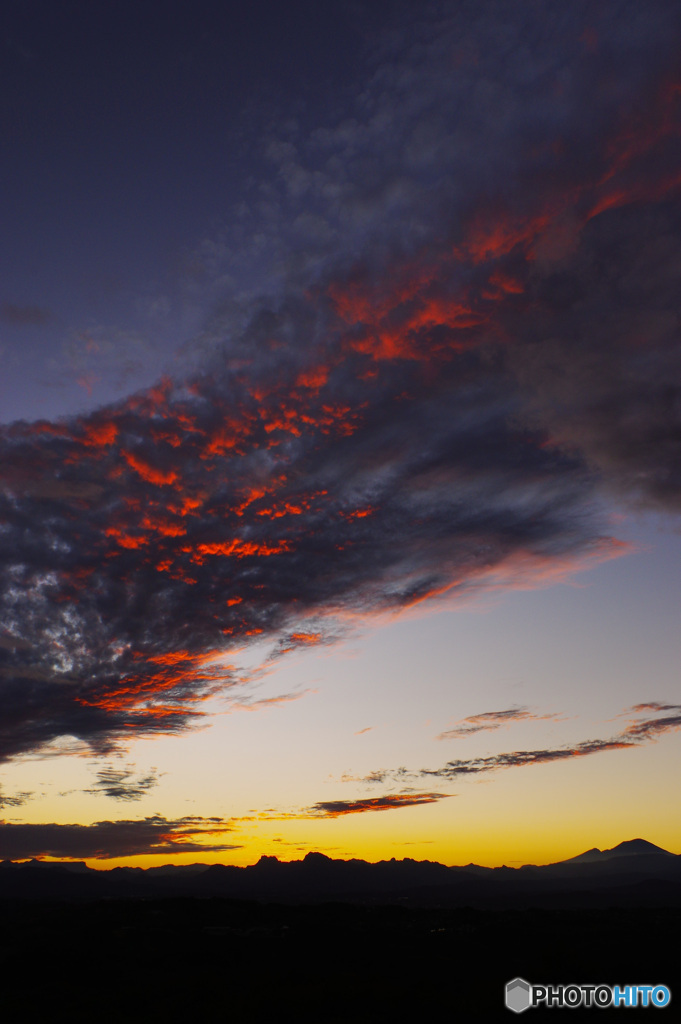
342,941
636,872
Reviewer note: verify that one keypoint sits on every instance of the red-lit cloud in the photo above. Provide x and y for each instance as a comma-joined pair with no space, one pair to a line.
432,402
338,808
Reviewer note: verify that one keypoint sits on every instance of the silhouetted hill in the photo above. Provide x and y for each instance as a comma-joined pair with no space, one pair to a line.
630,848
634,873
339,942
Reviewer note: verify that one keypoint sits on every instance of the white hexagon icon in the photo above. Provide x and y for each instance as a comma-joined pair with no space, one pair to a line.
518,997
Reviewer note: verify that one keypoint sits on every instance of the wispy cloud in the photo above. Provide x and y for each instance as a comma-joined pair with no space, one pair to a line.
490,720
15,799
338,808
258,704
122,783
654,705
638,732
650,728
519,758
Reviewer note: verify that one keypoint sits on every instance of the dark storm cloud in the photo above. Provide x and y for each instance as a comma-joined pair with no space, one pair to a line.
108,839
24,316
122,783
480,337
637,732
338,808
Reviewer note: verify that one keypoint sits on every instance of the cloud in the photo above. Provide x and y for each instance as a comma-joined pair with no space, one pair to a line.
253,704
16,800
338,808
490,720
121,783
302,640
375,776
638,732
654,705
105,840
469,338
519,758
651,728
24,316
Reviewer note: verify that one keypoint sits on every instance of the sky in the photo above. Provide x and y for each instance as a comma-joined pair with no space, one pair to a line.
340,441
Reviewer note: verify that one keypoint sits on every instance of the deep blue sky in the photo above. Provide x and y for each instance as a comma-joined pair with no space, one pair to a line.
131,132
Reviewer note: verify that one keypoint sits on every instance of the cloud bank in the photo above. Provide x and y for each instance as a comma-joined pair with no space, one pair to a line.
105,840
479,340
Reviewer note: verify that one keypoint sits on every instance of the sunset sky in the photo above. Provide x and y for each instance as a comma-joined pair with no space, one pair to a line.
340,429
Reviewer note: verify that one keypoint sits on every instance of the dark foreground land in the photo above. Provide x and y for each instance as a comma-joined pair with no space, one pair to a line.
213,959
